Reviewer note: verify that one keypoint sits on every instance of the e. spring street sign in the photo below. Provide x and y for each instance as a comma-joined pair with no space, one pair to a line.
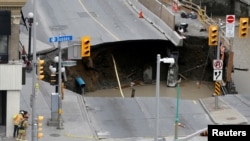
61,38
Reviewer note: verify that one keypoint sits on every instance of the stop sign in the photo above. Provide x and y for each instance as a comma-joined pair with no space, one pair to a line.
230,18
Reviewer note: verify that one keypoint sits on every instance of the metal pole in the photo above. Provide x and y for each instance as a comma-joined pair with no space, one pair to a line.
57,76
29,49
157,96
60,125
177,111
34,80
218,57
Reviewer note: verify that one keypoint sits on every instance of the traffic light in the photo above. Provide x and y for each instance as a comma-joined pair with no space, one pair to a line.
213,34
53,79
40,69
39,127
243,27
85,46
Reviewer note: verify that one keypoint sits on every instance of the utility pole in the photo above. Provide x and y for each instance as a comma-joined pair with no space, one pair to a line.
59,39
34,80
60,125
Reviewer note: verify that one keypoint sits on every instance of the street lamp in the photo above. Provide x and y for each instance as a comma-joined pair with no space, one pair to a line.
30,21
159,60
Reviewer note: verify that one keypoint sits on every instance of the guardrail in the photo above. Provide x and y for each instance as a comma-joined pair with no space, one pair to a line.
205,19
188,5
161,17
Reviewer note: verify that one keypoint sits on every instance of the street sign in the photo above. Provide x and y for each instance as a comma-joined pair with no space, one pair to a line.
218,64
230,18
61,38
230,27
217,75
68,63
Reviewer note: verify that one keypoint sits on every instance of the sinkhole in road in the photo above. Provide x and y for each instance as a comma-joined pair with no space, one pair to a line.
131,57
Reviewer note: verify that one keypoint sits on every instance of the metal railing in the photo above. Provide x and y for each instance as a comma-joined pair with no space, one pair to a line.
188,5
205,19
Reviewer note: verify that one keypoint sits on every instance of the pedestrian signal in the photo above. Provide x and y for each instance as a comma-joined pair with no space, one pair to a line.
53,79
40,69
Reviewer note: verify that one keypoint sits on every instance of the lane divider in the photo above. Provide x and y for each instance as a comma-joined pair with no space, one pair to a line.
106,29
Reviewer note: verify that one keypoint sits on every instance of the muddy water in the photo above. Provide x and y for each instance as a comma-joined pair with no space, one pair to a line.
188,90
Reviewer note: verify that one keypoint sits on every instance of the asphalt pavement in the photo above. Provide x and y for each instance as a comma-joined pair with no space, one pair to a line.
77,124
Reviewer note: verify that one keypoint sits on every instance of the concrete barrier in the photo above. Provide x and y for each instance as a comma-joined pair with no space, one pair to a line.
160,17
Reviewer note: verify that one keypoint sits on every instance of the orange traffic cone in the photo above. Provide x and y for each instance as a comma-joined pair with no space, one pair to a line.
174,7
140,14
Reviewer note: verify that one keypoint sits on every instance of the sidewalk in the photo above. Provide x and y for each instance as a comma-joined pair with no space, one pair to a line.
78,125
222,113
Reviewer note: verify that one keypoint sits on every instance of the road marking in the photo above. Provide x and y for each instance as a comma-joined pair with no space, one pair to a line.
194,101
106,29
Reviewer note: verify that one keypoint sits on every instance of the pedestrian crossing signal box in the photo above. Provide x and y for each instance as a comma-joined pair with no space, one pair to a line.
53,79
40,69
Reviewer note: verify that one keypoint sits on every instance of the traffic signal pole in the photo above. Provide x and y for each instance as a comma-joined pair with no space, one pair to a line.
34,80
60,125
218,58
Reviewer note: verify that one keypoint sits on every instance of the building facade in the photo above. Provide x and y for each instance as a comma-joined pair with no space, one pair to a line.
11,64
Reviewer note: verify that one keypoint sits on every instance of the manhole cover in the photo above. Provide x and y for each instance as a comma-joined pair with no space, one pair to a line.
55,135
231,118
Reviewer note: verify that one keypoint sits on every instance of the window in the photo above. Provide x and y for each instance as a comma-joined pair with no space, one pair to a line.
3,49
5,32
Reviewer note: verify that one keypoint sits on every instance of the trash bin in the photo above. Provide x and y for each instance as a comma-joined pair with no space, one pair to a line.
80,82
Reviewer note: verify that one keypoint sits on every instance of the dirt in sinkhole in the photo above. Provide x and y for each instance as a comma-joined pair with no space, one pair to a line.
131,58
